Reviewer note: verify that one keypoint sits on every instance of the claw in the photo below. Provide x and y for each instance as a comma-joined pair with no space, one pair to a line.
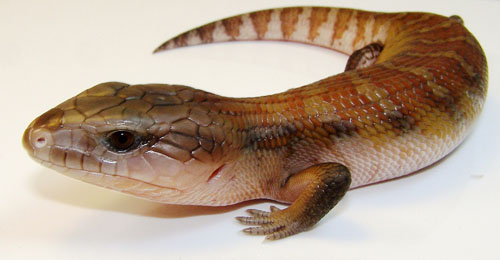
263,230
274,209
258,213
254,220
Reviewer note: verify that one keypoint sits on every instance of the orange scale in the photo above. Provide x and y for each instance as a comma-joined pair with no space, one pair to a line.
391,90
344,94
352,91
377,107
380,128
343,116
370,129
404,98
315,121
363,133
299,102
395,100
346,103
408,106
404,110
363,100
337,106
308,124
326,97
355,101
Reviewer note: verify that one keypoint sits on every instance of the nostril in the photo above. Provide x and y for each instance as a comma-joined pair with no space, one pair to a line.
40,138
40,142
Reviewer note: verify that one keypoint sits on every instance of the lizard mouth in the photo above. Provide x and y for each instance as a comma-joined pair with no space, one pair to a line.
119,183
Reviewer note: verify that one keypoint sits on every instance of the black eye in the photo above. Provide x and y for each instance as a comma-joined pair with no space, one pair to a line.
122,140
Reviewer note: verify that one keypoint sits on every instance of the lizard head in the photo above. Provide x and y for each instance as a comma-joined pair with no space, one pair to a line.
160,142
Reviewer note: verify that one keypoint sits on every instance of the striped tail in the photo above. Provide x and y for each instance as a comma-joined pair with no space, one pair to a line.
344,30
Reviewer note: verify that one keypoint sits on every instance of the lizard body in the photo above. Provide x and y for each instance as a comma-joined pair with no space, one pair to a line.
412,88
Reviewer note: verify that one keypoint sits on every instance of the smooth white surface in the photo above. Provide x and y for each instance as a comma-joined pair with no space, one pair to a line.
52,50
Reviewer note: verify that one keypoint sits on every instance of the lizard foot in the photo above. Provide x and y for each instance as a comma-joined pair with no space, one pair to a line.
275,224
325,184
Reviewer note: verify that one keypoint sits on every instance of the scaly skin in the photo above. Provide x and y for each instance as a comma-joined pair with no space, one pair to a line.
305,146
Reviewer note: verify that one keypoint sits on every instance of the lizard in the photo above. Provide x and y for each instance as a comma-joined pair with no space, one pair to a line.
413,85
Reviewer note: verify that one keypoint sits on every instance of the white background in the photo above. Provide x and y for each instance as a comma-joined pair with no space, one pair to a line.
51,50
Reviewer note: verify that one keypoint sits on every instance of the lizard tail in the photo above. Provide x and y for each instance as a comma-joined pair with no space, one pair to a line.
344,30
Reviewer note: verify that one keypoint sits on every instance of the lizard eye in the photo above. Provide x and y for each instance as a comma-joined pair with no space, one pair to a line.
122,141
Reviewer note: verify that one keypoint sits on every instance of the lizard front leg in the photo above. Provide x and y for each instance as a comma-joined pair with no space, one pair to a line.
323,185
